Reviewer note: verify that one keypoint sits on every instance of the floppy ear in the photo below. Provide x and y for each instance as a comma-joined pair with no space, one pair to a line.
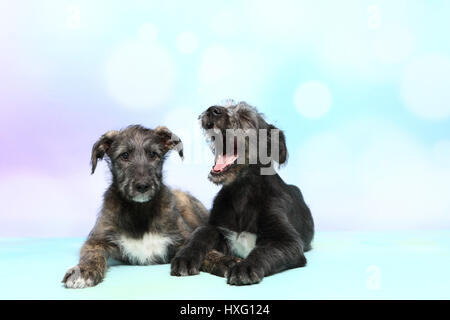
169,140
101,147
282,149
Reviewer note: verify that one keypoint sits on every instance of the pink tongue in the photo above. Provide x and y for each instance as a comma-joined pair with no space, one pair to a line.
223,161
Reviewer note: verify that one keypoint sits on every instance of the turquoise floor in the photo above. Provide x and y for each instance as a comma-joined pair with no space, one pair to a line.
343,265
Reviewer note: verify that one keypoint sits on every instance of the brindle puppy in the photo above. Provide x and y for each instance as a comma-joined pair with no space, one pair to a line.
256,215
142,221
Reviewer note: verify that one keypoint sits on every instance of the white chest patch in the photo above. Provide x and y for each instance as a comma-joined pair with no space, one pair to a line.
152,247
241,243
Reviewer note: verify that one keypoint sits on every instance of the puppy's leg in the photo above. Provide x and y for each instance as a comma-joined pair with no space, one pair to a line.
92,266
276,250
189,259
218,263
266,259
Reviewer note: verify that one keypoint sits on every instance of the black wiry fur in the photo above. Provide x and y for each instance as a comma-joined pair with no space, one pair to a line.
248,201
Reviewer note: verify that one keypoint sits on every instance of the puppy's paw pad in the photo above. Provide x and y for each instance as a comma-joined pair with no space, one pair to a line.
242,274
181,267
227,263
75,279
178,268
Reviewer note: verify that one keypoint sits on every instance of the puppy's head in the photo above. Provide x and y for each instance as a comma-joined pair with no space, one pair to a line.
240,138
135,156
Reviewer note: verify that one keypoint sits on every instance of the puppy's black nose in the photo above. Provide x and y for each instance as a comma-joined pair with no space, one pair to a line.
207,123
142,187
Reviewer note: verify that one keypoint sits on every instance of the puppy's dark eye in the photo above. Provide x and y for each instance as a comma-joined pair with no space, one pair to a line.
125,156
217,111
152,155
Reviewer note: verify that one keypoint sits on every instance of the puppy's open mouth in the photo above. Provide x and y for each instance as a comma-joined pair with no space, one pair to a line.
225,158
223,163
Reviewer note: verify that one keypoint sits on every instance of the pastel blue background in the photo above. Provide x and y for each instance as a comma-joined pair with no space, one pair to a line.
361,88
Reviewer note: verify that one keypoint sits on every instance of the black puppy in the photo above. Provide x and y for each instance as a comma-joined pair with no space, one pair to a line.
255,216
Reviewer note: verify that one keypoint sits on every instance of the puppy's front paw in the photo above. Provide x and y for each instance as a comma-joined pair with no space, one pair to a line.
219,265
244,274
185,265
81,277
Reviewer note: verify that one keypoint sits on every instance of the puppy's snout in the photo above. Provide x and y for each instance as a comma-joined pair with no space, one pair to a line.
142,187
207,123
